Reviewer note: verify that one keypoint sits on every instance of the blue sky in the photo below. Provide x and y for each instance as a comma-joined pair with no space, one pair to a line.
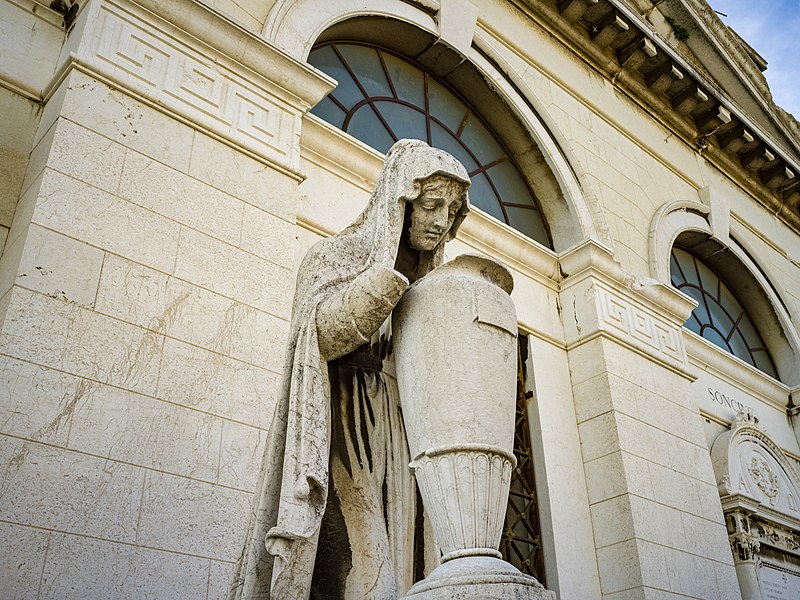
772,27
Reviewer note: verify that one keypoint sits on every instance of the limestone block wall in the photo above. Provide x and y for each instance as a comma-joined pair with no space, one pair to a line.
655,509
146,290
141,348
30,41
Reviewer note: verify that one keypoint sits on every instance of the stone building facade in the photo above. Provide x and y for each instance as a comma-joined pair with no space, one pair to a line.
165,166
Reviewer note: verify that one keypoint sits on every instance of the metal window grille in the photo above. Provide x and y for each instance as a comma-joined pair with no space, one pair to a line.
521,543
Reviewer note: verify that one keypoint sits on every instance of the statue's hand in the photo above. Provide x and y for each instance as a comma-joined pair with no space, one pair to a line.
382,283
347,319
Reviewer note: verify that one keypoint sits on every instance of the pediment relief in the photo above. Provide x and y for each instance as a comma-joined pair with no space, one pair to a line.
749,464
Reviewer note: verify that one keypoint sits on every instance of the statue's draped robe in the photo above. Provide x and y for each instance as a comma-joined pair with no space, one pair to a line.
367,536
334,280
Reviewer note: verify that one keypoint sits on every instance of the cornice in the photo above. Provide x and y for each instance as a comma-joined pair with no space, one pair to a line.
728,45
201,68
341,154
619,42
45,32
591,259
42,10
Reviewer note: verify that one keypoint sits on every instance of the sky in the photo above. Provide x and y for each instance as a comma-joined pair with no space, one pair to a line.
772,28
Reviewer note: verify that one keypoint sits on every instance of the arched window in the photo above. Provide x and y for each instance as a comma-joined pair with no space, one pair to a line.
719,317
383,97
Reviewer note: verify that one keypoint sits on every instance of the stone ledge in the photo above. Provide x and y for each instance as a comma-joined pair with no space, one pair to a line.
643,315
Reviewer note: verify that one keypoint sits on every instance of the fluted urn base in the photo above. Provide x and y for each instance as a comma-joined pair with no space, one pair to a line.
478,578
464,489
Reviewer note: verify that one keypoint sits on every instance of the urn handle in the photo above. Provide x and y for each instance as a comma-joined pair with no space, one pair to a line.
489,312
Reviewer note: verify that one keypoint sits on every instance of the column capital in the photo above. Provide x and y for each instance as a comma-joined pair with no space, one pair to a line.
599,298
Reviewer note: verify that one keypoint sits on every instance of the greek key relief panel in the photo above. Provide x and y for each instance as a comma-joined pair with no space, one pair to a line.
205,88
640,328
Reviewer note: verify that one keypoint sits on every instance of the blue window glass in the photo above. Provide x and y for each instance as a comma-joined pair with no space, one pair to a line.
382,97
719,316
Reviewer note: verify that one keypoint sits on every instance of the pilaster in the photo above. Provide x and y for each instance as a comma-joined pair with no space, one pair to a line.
655,509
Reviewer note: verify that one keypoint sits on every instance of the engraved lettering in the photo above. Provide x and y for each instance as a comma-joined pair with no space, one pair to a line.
725,400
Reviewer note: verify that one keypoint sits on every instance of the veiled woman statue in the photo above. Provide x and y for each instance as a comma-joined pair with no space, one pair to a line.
336,508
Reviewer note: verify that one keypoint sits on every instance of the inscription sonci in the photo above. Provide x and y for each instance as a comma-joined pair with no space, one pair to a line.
725,400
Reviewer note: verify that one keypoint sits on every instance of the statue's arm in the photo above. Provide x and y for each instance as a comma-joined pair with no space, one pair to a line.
348,318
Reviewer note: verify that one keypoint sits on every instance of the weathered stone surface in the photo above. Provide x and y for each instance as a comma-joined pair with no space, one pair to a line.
132,292
52,488
91,215
211,382
131,123
234,273
143,431
268,236
65,336
223,167
187,312
60,267
240,457
36,402
83,154
478,578
209,521
177,196
23,560
125,571
20,117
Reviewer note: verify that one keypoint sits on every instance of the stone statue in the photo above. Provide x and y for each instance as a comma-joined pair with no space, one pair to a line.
337,503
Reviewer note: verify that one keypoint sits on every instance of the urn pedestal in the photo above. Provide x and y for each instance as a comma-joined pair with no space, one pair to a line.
455,350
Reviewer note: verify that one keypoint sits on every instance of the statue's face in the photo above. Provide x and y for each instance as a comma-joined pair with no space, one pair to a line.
434,211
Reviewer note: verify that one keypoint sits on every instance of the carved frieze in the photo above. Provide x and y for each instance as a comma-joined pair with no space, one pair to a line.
625,318
140,53
764,478
778,537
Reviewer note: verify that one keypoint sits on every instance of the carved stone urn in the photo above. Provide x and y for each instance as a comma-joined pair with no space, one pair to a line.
455,349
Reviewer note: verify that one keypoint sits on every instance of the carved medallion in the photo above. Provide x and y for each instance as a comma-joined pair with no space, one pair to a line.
764,478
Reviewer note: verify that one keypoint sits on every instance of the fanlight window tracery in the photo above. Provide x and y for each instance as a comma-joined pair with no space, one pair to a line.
719,317
382,97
